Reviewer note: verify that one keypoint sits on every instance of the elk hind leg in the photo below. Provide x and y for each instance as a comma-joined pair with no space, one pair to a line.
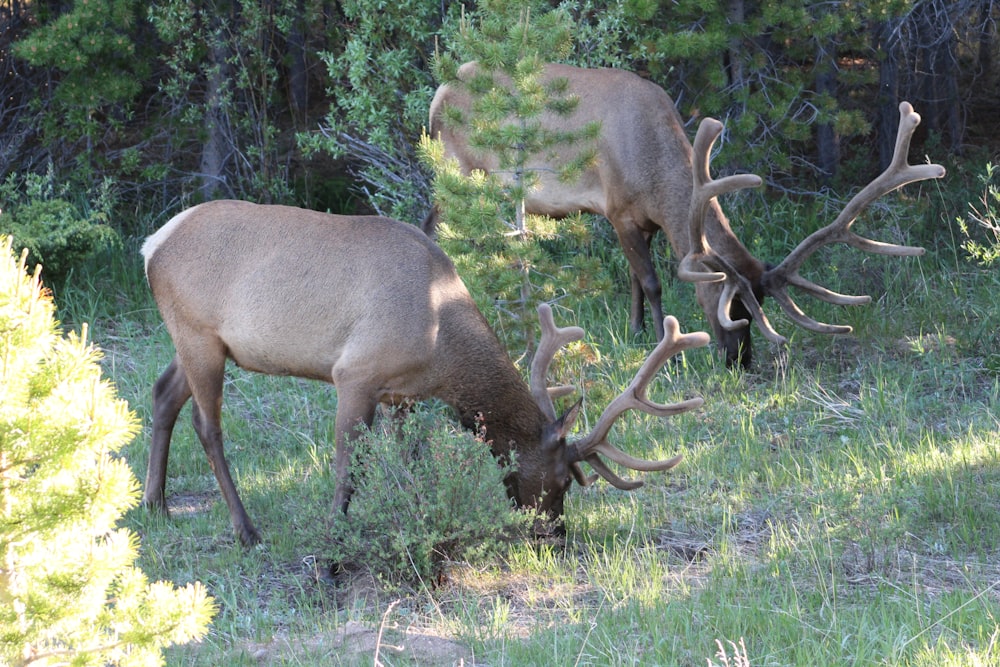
637,244
170,392
206,382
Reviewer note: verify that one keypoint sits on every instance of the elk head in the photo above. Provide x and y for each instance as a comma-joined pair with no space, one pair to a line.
703,264
546,492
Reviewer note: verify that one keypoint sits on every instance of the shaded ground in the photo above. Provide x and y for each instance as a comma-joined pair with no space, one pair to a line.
389,641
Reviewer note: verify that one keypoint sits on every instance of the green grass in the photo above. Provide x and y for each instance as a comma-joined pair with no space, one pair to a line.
842,508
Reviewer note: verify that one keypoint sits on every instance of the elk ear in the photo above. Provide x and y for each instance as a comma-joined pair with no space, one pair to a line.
565,423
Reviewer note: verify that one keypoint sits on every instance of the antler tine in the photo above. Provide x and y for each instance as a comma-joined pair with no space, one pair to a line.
898,174
634,397
739,286
704,190
553,338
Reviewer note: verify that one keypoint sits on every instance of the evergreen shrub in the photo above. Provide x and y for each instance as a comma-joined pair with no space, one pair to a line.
58,232
70,593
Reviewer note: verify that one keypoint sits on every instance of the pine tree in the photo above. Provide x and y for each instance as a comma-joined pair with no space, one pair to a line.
483,215
70,593
90,51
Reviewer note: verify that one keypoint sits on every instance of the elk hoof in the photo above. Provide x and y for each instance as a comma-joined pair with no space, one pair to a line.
156,504
249,537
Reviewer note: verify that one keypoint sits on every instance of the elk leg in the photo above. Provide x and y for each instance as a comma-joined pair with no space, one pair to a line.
430,221
205,375
398,413
170,393
638,312
636,243
209,429
354,409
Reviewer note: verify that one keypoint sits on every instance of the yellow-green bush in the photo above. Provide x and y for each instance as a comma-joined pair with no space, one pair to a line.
70,593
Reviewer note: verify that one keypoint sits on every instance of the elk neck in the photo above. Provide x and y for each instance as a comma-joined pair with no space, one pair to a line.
477,378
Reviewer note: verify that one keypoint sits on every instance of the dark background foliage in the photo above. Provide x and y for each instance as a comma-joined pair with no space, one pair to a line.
321,103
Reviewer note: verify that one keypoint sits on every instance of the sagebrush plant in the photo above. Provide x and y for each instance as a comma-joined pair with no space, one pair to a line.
59,229
69,589
426,492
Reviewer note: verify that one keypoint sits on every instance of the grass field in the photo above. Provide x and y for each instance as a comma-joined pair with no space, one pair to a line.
837,505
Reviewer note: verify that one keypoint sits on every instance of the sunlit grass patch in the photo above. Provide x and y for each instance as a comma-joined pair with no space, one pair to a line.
952,497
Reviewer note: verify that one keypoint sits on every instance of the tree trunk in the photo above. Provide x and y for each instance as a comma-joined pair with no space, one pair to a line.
937,69
951,103
827,141
885,42
736,13
298,83
987,35
214,149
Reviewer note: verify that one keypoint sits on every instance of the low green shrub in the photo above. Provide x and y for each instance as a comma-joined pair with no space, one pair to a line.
426,492
59,233
982,240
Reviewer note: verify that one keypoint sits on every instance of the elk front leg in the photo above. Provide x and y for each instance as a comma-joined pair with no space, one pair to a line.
170,393
354,409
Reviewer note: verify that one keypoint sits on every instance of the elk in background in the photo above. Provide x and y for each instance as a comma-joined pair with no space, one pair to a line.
374,307
647,177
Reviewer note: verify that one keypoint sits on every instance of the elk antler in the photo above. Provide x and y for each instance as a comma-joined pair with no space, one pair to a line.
595,443
553,338
775,281
704,190
700,254
898,174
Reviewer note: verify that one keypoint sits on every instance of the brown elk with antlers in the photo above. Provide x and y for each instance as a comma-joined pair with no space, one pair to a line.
647,177
376,308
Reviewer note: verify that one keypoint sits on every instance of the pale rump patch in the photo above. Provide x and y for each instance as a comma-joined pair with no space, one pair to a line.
153,241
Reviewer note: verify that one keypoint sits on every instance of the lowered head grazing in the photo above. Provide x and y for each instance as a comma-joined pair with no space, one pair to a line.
374,307
647,177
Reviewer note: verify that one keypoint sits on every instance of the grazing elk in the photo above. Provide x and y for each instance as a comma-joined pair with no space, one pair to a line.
647,177
375,307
